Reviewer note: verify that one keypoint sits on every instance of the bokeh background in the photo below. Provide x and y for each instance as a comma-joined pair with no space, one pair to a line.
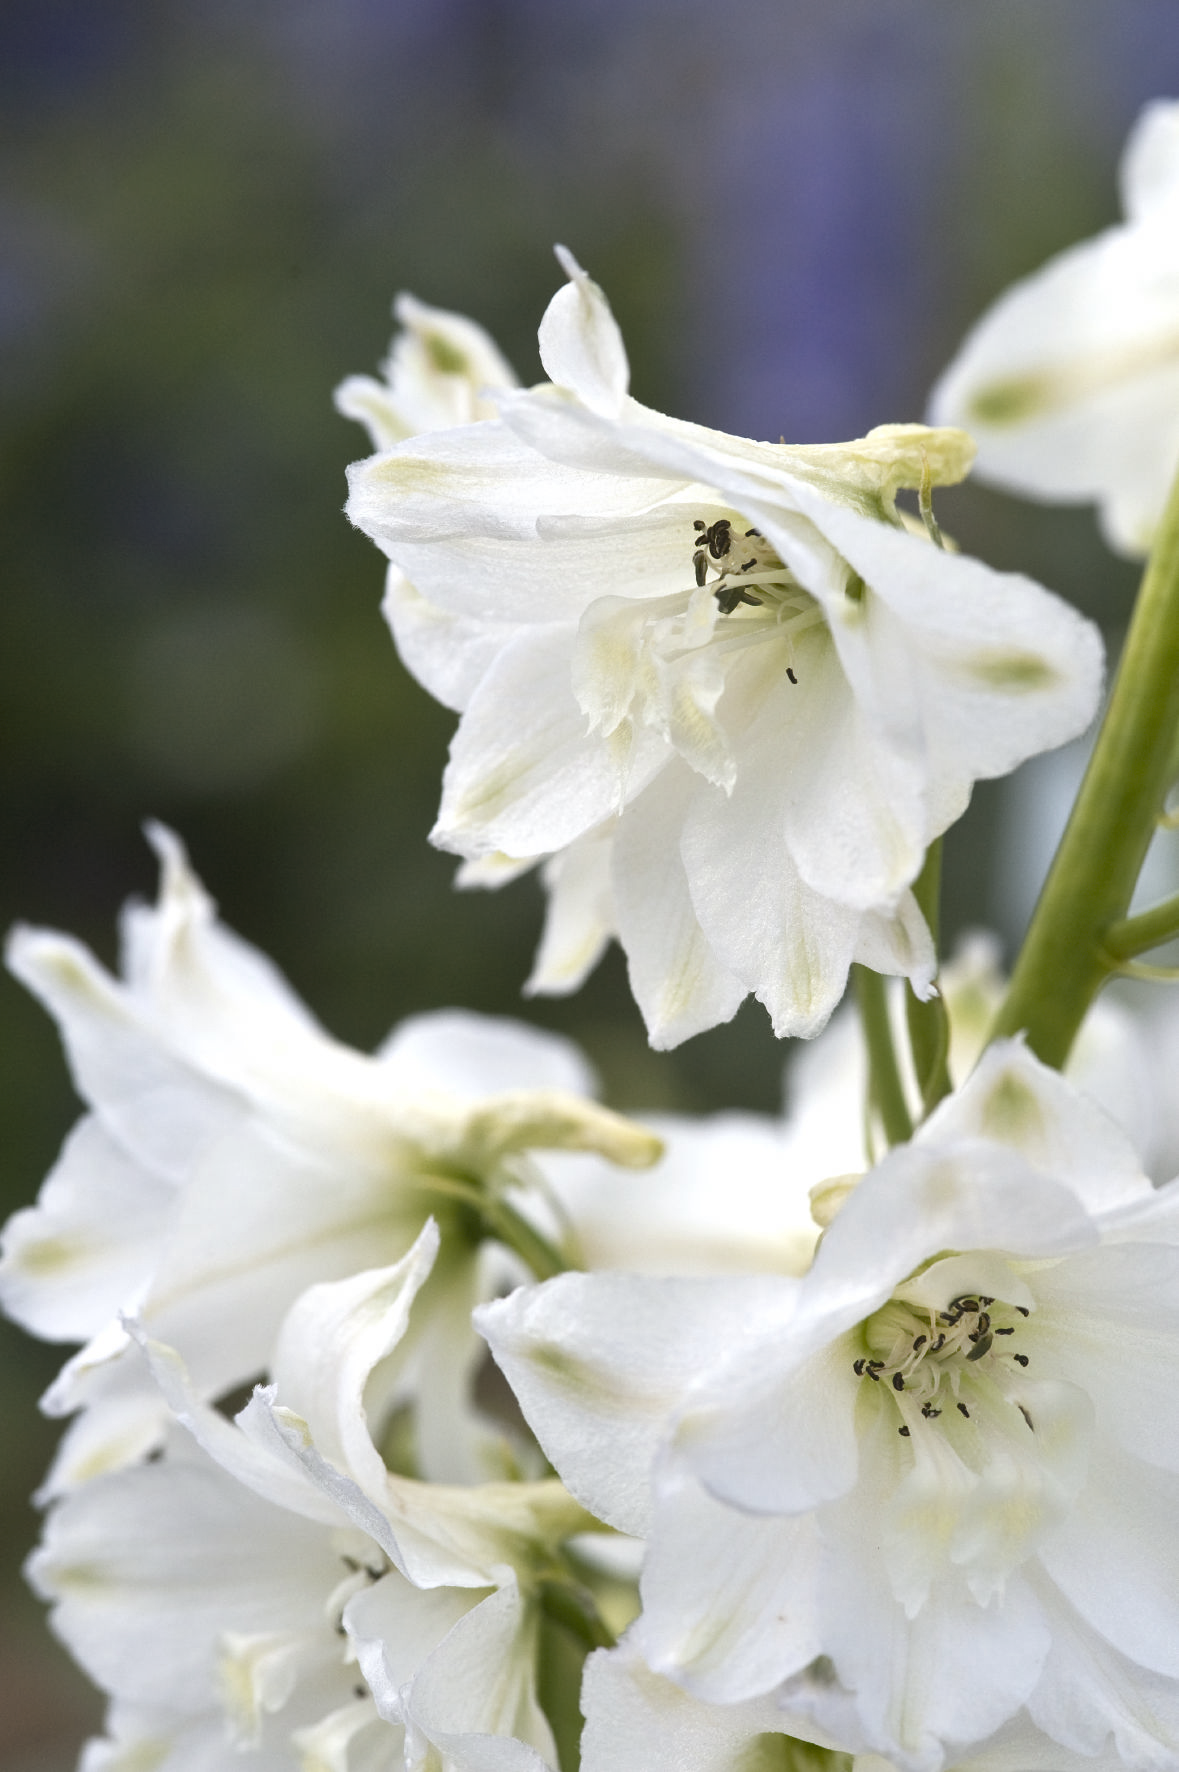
796,208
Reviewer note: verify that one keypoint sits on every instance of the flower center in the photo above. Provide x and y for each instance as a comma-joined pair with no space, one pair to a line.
923,1355
749,572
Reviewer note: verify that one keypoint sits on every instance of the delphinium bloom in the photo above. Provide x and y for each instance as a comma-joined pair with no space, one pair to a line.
276,1595
928,1486
1070,382
234,1154
716,682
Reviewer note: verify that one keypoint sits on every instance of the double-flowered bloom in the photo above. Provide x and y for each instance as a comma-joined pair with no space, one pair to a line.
928,1490
1070,382
720,684
235,1154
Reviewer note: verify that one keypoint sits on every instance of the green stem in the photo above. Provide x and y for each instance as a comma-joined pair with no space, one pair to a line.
1065,960
928,1023
511,1227
886,1093
501,1220
1149,929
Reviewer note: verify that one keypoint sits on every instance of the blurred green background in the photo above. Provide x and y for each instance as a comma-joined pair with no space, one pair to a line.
796,211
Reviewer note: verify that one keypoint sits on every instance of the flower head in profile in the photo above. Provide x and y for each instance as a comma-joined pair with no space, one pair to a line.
717,682
1070,382
234,1154
931,1484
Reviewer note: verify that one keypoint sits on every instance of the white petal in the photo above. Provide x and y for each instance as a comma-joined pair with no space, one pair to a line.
448,653
471,1056
461,513
678,981
155,1106
474,1699
599,1363
331,1340
1150,161
1115,1558
1089,1691
996,668
580,344
262,1220
122,1418
1108,1321
638,1721
525,776
1069,381
579,916
148,1568
1013,1098
89,1245
779,1443
726,1198
788,944
394,1626
729,1598
239,1448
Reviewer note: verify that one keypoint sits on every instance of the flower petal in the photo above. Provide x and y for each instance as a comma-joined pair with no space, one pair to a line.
599,1362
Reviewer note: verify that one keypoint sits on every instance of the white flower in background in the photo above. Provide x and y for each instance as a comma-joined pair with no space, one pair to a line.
932,1483
276,1592
235,1154
730,1195
442,370
722,668
1070,382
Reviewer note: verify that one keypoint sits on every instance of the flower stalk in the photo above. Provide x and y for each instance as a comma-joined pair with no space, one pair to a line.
1067,955
928,1023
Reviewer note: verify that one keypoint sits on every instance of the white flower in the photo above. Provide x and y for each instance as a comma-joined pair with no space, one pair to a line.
276,1590
236,1154
1070,382
441,371
718,678
932,1483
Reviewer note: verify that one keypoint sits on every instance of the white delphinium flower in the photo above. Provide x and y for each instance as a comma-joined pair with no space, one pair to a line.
442,370
235,1154
1070,382
275,1590
717,678
929,1484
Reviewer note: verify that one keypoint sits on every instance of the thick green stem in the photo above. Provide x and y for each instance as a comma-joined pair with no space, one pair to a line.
928,1023
1065,960
886,1095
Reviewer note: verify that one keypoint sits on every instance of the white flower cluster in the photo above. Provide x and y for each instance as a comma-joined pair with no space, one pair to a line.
808,1453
